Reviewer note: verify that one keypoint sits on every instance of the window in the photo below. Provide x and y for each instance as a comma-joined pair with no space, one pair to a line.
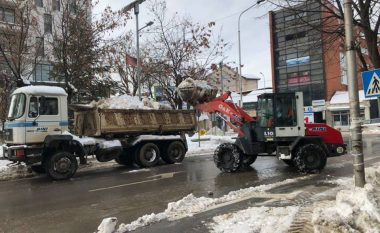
42,73
17,106
56,5
8,15
42,106
39,3
286,111
47,23
40,50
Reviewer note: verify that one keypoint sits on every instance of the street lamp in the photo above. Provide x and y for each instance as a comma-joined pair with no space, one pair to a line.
241,82
150,23
263,78
135,5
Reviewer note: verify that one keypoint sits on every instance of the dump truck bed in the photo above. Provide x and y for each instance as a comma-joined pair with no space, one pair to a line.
100,122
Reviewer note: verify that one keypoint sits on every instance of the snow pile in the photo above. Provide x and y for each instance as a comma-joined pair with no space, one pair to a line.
355,209
191,205
208,144
255,219
108,225
9,170
127,102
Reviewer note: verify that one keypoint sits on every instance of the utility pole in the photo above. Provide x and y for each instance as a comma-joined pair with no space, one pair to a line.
355,126
222,90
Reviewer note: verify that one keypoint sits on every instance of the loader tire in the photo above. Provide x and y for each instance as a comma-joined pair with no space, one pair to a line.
227,157
249,159
310,158
289,162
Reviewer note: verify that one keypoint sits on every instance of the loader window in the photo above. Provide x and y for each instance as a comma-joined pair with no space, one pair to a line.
286,111
265,111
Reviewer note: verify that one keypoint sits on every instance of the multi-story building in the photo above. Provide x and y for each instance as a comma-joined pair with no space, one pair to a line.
44,19
306,59
227,79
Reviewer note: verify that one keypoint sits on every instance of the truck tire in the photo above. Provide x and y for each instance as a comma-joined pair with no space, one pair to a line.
126,157
39,169
61,166
174,153
310,158
147,155
227,157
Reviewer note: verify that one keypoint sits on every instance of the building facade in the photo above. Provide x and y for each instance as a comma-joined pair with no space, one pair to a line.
307,60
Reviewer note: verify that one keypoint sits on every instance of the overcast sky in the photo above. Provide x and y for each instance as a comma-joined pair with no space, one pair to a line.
254,26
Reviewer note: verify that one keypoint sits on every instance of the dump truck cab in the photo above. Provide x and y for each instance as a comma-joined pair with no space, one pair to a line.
34,113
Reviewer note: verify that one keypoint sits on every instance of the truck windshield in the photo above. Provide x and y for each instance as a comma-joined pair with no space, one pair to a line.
17,106
265,111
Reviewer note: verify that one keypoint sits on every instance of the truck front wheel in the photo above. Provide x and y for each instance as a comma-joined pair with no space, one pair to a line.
175,153
310,158
61,166
227,157
148,155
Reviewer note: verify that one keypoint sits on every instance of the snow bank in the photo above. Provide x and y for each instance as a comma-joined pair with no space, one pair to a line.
255,219
207,145
108,225
191,205
355,209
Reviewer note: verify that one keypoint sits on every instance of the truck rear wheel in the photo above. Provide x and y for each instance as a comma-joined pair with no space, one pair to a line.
310,158
61,166
227,157
147,155
175,153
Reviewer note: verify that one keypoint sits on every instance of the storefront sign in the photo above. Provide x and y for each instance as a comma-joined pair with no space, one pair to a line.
318,102
298,61
299,79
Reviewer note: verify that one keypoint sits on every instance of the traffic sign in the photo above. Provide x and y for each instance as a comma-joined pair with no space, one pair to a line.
371,83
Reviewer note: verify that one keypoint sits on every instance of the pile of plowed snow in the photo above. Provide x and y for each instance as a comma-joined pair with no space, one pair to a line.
128,102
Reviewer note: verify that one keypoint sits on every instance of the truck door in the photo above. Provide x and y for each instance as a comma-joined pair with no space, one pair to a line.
287,115
44,117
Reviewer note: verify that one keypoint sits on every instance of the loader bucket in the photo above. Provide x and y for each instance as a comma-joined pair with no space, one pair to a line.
196,91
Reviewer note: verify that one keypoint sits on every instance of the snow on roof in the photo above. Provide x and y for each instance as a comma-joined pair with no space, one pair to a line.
252,96
41,90
251,76
341,97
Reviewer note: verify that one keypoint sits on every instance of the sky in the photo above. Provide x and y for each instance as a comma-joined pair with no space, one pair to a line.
254,28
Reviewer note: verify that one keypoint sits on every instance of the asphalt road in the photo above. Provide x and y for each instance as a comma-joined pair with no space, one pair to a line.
79,205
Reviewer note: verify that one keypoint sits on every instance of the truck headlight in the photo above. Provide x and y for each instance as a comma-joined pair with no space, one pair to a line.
340,150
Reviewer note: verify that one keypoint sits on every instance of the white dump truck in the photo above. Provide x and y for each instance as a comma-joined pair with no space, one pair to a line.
36,132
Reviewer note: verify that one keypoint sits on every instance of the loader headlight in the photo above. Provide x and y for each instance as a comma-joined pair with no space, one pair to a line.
340,150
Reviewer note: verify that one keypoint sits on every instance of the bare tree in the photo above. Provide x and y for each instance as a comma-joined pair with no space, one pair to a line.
79,46
18,49
178,49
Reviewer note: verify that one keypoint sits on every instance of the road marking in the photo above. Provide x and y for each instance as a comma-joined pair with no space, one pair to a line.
159,177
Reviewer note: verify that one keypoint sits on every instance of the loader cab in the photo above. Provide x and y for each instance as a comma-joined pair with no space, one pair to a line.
280,116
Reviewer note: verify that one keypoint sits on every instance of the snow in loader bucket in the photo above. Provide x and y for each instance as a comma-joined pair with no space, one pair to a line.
196,91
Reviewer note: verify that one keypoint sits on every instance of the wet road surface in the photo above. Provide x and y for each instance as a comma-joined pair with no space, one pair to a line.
79,205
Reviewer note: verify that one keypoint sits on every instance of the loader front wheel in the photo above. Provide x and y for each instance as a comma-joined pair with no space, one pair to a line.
227,157
310,158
